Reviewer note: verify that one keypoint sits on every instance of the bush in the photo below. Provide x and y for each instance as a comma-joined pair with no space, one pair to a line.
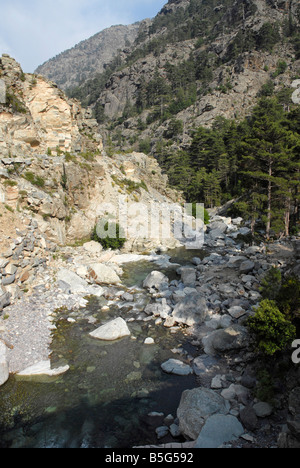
115,242
288,297
270,328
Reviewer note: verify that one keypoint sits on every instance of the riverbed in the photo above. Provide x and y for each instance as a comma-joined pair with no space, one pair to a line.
112,391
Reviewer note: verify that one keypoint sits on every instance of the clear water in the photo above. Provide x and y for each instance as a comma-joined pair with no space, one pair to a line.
106,396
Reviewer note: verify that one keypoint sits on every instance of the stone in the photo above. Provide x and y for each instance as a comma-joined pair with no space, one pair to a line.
149,341
247,266
262,409
93,247
174,430
76,284
127,297
216,382
112,330
229,339
191,310
196,406
203,364
4,369
188,275
236,312
154,280
103,274
248,418
219,429
5,298
43,368
162,431
174,366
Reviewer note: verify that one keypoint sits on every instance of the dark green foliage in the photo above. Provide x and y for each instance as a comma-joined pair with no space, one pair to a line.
271,284
288,297
256,161
270,328
114,242
14,102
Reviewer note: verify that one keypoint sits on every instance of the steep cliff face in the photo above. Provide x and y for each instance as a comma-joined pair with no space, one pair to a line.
53,167
37,117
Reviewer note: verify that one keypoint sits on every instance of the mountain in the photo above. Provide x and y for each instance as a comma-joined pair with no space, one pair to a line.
195,61
74,66
193,90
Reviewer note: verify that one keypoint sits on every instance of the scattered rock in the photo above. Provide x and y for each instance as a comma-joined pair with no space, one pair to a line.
217,430
155,279
196,406
262,409
4,371
191,310
174,366
43,368
112,331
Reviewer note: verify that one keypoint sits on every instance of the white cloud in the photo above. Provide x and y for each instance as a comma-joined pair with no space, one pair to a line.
36,30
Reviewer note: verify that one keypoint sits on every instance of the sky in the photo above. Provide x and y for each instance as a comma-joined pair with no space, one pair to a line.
33,31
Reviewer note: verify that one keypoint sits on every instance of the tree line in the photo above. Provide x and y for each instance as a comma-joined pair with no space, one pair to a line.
256,161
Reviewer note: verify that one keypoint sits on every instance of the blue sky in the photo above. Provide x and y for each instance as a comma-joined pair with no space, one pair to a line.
33,31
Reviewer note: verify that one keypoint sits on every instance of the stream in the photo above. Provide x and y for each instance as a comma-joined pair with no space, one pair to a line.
104,400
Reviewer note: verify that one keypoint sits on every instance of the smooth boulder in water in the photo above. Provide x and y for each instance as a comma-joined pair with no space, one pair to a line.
112,331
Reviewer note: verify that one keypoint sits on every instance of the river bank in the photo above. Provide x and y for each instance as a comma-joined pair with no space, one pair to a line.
208,294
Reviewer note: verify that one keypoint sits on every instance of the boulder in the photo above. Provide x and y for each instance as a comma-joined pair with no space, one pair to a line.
111,331
229,339
75,283
93,247
43,368
196,406
103,274
262,409
188,276
191,310
4,372
219,429
5,298
174,366
155,280
247,266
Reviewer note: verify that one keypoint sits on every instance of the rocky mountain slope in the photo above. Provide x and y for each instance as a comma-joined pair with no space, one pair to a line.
72,67
192,63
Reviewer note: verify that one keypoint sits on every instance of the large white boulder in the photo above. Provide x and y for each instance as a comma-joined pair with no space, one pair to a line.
77,284
155,280
43,368
112,331
103,274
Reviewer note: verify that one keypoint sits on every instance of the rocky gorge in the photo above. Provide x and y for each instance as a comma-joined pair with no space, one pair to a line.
209,300
56,182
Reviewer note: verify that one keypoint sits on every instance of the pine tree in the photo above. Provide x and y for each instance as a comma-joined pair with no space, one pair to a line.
266,153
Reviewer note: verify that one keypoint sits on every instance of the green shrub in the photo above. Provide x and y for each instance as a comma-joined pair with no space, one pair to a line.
35,180
271,330
115,242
